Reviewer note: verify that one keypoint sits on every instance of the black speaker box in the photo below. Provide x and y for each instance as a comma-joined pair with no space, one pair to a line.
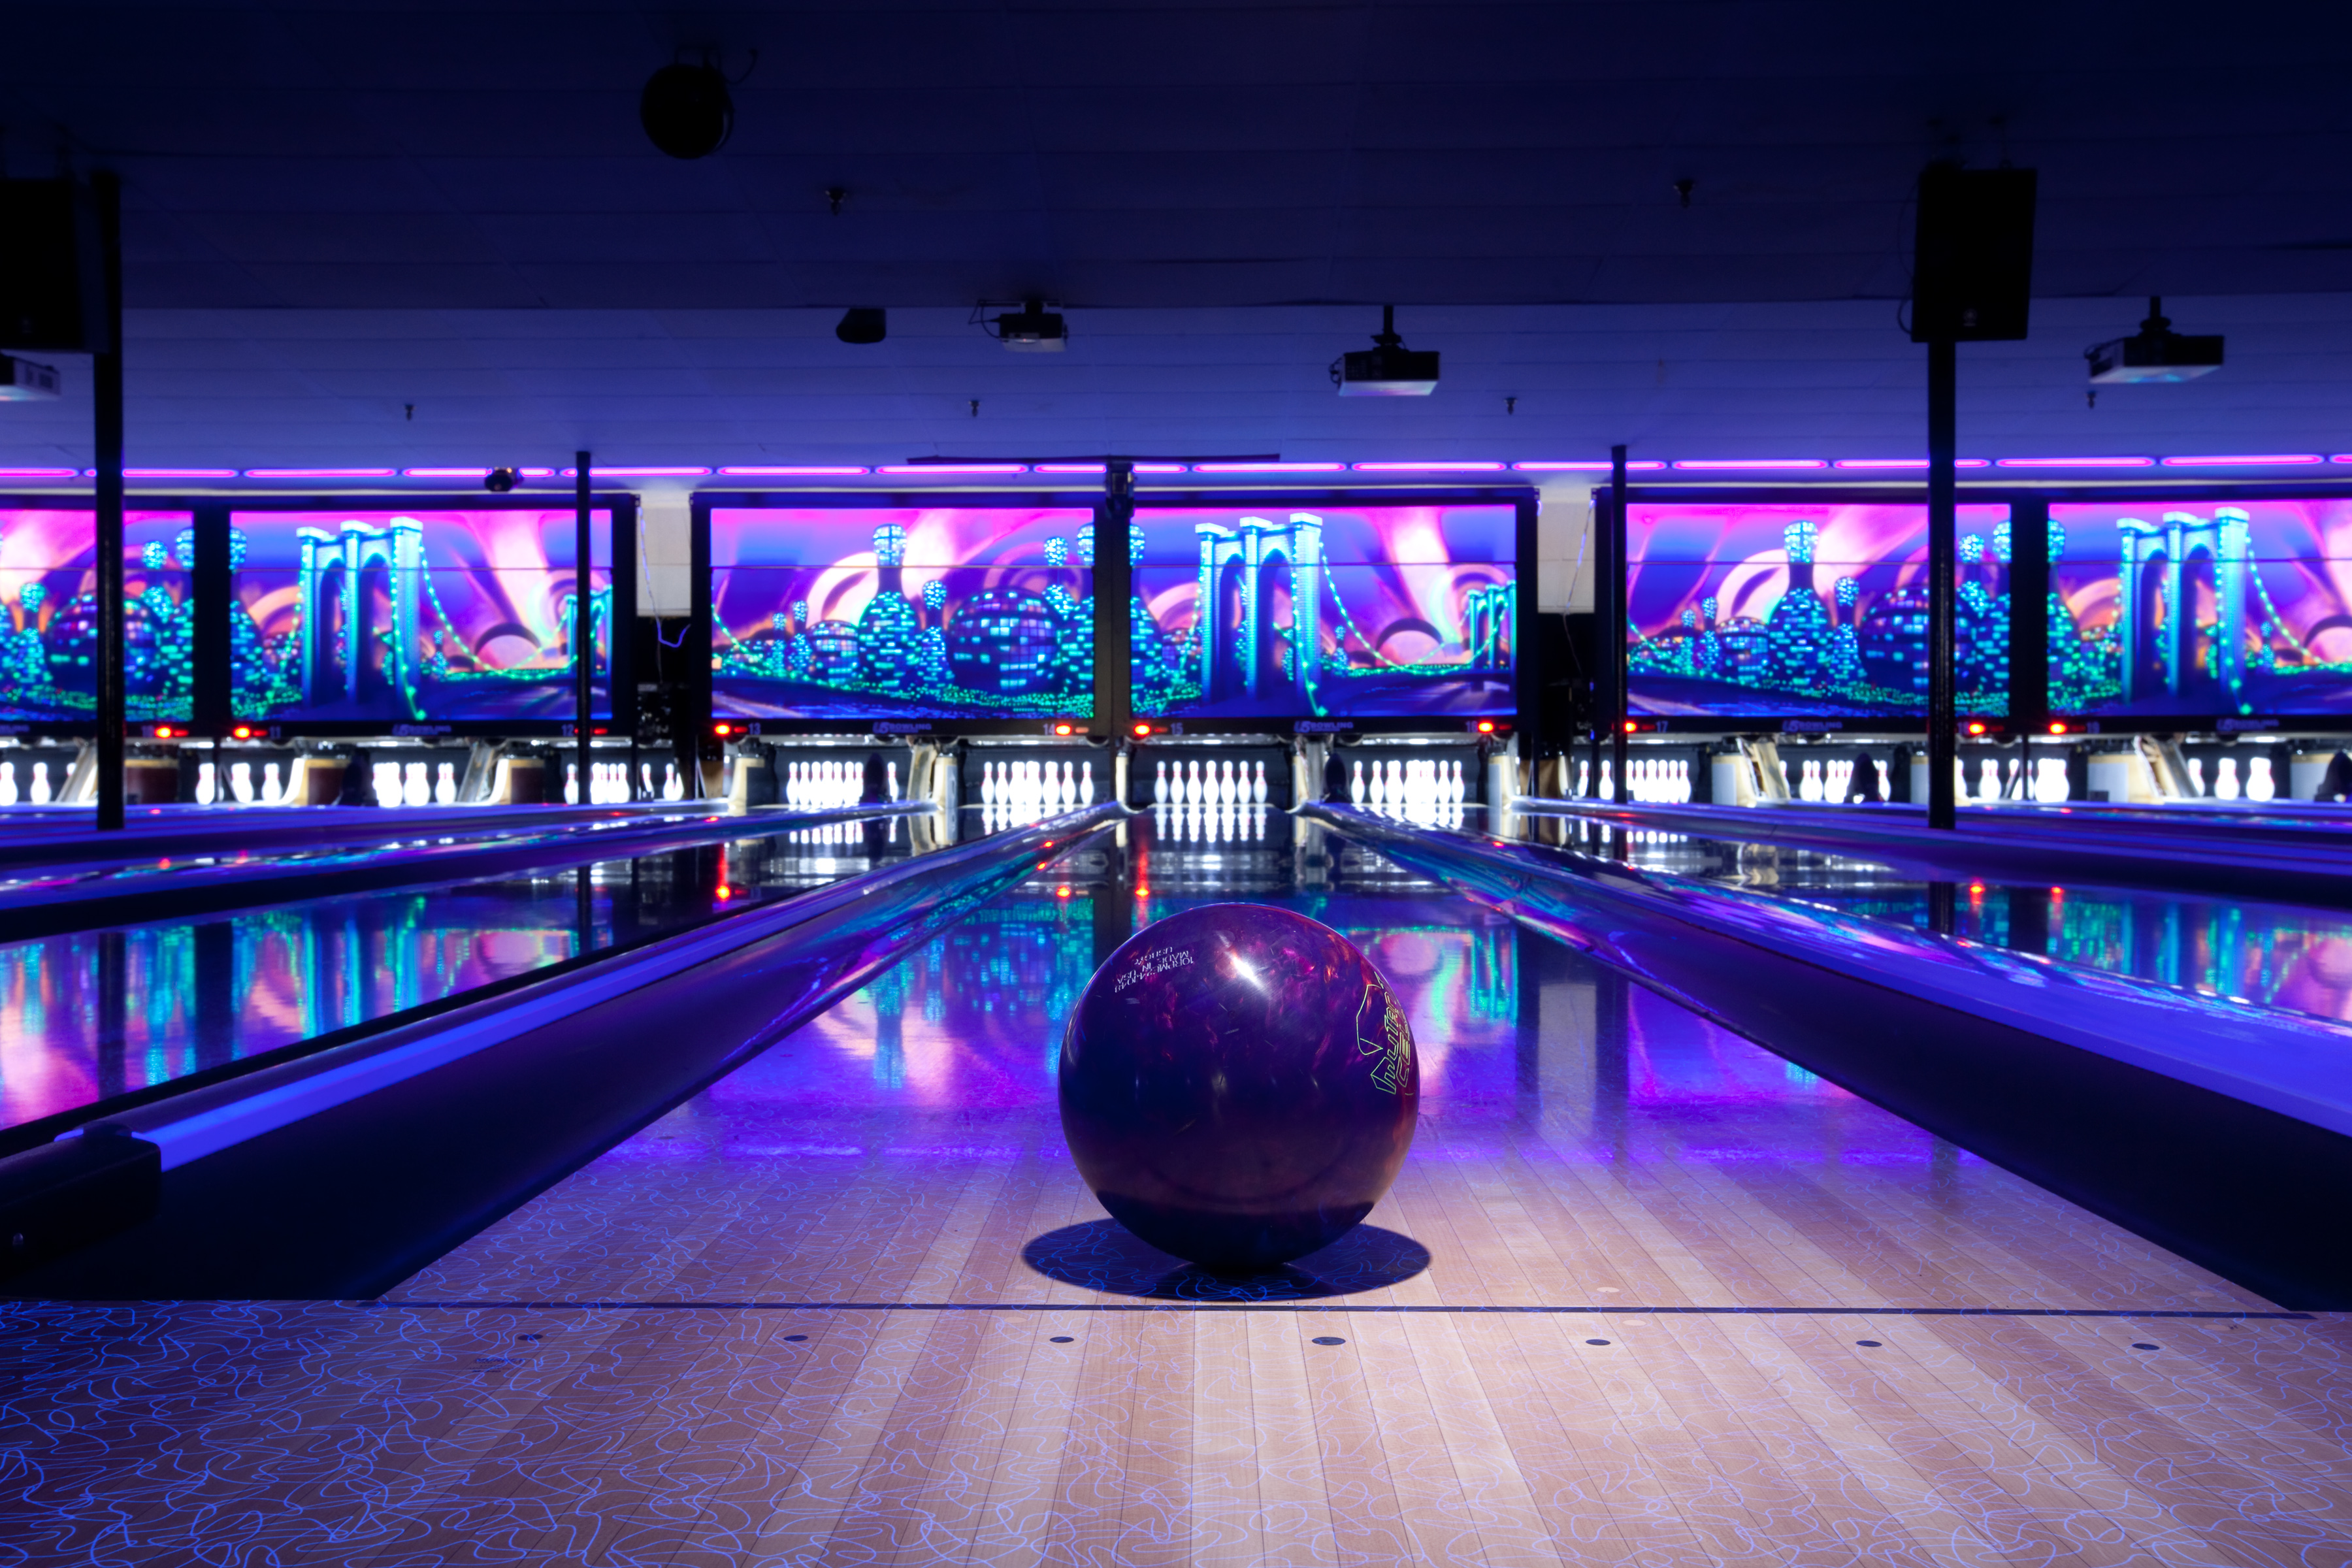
50,288
1972,274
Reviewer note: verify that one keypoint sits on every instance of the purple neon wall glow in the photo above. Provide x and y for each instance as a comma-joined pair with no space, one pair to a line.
1681,553
1398,580
57,550
764,560
502,575
2297,607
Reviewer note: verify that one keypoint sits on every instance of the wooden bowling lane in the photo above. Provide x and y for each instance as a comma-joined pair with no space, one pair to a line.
853,1306
336,1433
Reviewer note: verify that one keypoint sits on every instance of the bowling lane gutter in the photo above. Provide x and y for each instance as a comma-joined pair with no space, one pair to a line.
2277,865
140,896
336,1177
2215,1128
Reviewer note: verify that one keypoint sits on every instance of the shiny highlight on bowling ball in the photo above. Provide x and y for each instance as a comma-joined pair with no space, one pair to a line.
1238,1086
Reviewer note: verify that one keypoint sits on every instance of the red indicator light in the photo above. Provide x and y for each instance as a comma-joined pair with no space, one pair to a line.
1632,728
1143,729
2057,727
242,732
722,729
1486,726
725,894
1061,729
1062,892
1142,893
1976,729
163,731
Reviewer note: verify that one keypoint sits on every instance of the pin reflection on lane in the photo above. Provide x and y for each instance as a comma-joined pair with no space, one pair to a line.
2278,956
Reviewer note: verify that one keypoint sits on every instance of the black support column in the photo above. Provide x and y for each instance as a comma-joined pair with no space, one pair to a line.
1113,586
583,630
106,390
1613,628
2028,621
1943,572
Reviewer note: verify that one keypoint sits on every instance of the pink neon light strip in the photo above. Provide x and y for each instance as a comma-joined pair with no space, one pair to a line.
40,473
471,473
2075,462
1752,463
798,470
2266,460
1428,468
1158,468
177,474
1270,468
1583,468
604,473
319,473
1916,463
1071,469
953,469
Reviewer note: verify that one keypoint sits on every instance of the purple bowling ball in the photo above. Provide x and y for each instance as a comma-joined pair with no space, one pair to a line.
1238,1086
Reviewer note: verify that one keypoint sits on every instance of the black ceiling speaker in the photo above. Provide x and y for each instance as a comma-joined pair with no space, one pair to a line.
863,324
498,481
52,293
1972,273
687,110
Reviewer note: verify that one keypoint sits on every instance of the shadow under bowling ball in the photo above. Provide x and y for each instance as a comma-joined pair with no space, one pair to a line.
1106,1256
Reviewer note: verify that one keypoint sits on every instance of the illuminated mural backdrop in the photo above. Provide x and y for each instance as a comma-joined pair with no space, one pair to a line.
411,616
2209,608
1363,612
1788,611
863,613
48,614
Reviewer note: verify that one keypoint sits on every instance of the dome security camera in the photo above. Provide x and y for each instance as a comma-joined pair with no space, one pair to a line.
498,481
687,110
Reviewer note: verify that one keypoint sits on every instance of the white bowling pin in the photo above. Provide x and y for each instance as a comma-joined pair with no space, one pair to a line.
1608,780
7,784
445,784
1989,780
271,787
2225,779
420,786
1356,783
2196,775
207,783
2260,785
572,783
41,796
1583,780
1086,785
1258,785
240,783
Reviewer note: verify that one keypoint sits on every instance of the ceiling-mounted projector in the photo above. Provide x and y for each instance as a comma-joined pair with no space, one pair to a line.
1031,330
1388,370
22,381
2155,354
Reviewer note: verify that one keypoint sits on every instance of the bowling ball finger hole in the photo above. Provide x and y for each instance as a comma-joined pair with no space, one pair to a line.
1063,1339
1868,1344
2142,1345
796,1338
1330,1340
1596,1341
